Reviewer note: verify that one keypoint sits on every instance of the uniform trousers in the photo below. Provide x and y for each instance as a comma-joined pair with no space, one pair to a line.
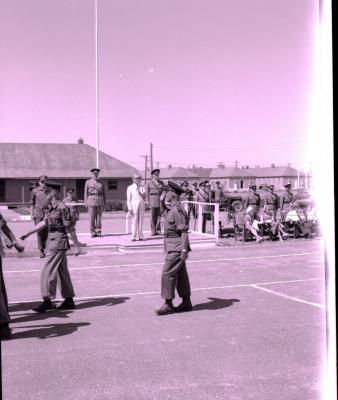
95,216
174,276
55,271
155,219
41,235
4,316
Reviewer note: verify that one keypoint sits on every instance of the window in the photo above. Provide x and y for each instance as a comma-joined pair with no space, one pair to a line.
112,184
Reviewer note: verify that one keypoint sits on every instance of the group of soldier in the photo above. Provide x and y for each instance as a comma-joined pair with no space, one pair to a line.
55,219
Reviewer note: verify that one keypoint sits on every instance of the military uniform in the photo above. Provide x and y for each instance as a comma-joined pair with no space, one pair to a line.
176,243
95,200
203,196
153,195
39,205
55,268
254,200
4,315
270,203
218,194
285,203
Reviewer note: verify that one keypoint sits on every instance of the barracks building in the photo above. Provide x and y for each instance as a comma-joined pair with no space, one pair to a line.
22,163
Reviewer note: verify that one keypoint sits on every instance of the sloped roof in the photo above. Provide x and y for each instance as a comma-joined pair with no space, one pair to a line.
282,171
57,160
201,172
176,172
232,172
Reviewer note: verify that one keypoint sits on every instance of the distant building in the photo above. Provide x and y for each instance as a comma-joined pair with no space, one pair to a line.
279,176
233,177
22,163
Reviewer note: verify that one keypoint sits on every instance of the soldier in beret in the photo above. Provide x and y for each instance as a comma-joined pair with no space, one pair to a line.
5,331
38,207
154,189
176,247
57,219
95,199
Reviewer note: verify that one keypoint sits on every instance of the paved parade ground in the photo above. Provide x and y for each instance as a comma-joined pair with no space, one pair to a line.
257,329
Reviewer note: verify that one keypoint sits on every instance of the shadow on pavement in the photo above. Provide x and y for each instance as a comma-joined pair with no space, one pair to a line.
214,304
80,304
48,331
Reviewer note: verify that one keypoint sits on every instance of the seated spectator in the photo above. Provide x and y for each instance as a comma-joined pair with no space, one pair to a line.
251,223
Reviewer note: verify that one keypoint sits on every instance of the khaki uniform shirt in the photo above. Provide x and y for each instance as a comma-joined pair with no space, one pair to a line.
58,219
153,192
94,193
218,196
39,201
253,199
286,200
176,222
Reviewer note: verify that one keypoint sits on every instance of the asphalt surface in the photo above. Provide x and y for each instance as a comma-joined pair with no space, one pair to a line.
257,329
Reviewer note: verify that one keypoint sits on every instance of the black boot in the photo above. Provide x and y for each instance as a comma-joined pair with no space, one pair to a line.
67,304
167,308
184,306
5,332
45,306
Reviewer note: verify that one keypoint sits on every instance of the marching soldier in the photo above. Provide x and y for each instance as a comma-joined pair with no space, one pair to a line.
286,201
254,200
38,208
5,331
154,190
176,246
95,199
57,219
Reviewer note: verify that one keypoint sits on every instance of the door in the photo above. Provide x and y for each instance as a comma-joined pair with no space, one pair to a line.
80,185
2,190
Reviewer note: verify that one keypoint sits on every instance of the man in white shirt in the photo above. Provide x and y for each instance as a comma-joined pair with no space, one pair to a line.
135,201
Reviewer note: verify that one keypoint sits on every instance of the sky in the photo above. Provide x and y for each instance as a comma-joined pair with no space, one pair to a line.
206,81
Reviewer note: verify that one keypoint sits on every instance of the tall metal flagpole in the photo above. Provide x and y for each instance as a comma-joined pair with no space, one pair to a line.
97,116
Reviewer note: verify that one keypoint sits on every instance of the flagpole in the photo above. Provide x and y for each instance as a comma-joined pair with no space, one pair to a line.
97,116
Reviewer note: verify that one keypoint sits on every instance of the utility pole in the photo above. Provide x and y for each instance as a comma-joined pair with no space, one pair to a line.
145,167
151,157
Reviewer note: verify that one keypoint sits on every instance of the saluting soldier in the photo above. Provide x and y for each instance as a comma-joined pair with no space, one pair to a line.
154,189
286,201
254,200
95,199
5,331
38,207
187,196
176,247
57,219
203,196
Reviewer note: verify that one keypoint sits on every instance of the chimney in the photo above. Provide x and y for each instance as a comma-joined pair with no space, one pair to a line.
80,141
169,166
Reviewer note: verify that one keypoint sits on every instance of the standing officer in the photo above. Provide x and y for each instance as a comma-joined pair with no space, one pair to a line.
187,196
57,219
254,200
74,214
270,202
95,199
38,208
154,190
203,196
286,200
218,193
5,332
176,247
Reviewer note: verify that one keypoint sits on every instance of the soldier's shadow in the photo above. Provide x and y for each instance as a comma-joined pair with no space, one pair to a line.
48,331
32,316
214,304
